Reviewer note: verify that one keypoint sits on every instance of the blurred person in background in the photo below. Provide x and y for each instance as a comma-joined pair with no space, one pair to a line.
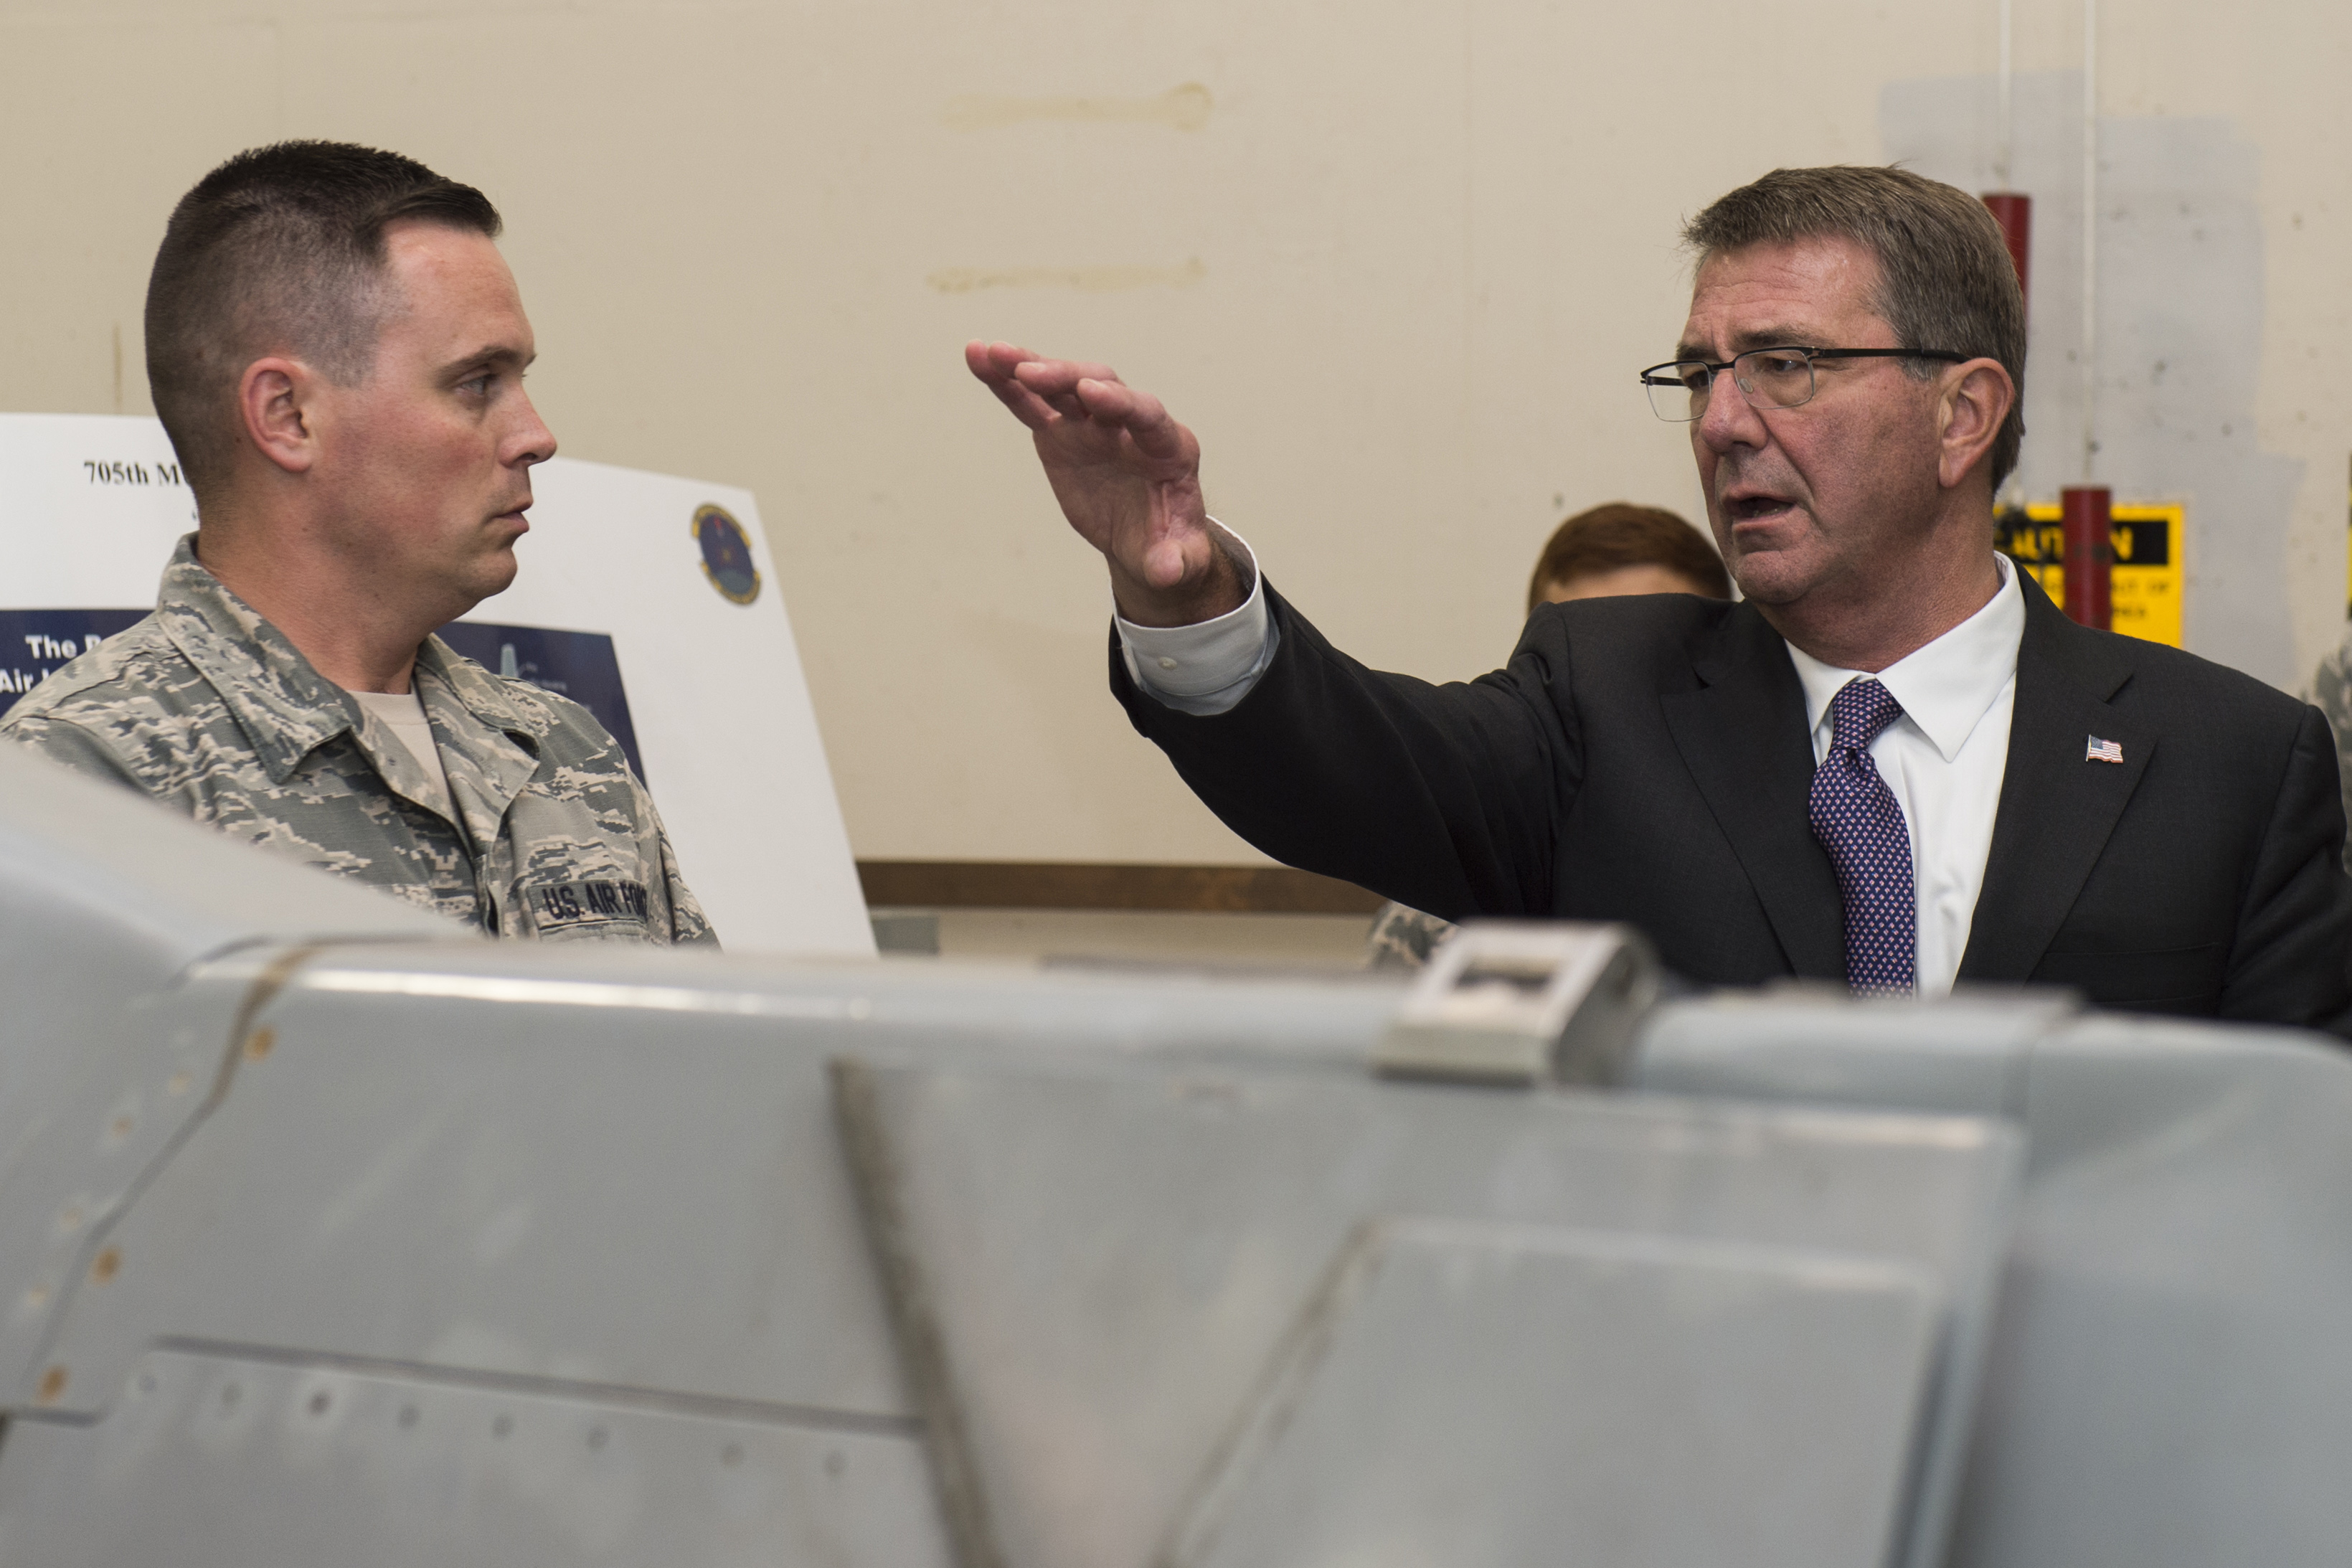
1621,549
2331,692
1601,552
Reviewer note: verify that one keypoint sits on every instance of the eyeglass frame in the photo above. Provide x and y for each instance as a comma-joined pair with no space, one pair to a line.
1717,367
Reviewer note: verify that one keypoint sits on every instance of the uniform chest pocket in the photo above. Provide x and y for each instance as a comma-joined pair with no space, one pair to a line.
589,907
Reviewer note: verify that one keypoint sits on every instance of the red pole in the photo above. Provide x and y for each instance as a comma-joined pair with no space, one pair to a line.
2014,213
2090,558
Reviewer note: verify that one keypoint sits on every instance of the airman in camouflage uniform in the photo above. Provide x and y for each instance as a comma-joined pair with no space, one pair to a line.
2331,689
207,707
1403,937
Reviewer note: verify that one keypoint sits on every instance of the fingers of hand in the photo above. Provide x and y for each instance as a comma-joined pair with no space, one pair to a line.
1108,403
1057,382
1155,432
1038,391
1145,420
994,361
1061,374
994,364
1026,405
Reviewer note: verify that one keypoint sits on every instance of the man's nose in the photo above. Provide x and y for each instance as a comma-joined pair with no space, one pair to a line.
530,441
1730,420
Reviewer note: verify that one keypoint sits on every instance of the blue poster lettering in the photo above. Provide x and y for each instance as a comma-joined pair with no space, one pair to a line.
37,644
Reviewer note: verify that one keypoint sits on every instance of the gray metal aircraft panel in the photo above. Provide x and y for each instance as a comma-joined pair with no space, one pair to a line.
610,1166
106,900
1095,1271
1965,1055
106,897
2171,1378
2169,1383
1490,1396
119,924
213,1460
106,1131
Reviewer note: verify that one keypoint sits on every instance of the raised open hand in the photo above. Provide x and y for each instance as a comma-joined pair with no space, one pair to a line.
1128,478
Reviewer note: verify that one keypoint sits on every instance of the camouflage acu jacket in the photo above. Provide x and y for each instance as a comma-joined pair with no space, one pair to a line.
2331,689
206,707
1403,937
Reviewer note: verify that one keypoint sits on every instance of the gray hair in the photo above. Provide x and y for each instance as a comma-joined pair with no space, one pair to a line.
1946,280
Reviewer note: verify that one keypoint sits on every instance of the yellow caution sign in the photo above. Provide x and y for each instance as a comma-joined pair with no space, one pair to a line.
2147,570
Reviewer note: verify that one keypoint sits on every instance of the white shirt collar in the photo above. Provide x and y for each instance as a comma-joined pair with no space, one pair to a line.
1945,686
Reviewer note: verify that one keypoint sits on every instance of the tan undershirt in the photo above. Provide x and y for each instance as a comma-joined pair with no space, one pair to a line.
403,713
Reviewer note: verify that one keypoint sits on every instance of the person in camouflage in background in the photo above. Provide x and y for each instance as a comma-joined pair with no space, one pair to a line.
1605,550
337,350
2331,692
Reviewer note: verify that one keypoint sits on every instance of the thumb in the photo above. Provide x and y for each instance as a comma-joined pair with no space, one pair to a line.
1164,566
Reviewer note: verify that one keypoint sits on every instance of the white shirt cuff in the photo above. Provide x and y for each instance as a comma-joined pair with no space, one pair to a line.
1209,666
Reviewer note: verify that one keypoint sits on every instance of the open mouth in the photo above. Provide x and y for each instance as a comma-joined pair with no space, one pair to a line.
1754,509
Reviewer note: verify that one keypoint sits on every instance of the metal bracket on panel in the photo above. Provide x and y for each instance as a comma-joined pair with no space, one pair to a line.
1525,1003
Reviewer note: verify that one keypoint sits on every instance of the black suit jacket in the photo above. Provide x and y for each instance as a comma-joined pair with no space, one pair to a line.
1647,760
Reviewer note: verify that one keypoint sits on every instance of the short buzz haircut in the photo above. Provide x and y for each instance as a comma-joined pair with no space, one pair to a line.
1946,280
1612,537
280,250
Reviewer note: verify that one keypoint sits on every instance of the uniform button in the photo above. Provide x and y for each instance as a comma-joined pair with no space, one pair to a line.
1166,663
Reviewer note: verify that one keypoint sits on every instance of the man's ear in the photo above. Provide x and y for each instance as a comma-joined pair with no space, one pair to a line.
272,401
1969,411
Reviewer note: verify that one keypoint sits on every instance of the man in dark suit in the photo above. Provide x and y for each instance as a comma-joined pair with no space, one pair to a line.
1895,763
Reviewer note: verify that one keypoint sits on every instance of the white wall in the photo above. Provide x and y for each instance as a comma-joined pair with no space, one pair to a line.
1396,265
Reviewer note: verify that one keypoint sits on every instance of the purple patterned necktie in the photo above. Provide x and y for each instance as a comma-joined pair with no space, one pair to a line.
1856,816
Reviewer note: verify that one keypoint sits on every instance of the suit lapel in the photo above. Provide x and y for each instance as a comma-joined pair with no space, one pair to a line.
2057,809
1743,736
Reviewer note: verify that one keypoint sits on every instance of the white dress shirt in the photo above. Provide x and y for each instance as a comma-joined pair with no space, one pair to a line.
1944,759
1208,667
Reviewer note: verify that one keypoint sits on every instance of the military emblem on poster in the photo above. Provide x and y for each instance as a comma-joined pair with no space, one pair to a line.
725,554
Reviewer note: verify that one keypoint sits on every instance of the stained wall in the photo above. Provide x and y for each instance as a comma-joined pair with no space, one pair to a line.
1396,264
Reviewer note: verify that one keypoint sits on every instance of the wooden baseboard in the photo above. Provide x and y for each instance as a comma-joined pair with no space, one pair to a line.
1073,885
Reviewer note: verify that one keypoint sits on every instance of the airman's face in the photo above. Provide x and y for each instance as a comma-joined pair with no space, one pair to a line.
427,462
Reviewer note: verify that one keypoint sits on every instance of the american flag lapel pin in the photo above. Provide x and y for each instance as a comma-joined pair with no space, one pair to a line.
2104,751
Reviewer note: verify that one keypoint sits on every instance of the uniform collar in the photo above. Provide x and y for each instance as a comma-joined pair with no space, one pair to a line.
1947,687
285,707
499,703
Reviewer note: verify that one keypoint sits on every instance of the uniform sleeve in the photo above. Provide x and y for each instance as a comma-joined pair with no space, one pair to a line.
74,747
688,926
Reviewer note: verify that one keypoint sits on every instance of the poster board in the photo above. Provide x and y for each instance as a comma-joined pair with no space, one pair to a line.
2145,590
651,599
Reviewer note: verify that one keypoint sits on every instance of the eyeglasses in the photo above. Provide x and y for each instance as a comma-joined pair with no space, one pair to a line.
1779,377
